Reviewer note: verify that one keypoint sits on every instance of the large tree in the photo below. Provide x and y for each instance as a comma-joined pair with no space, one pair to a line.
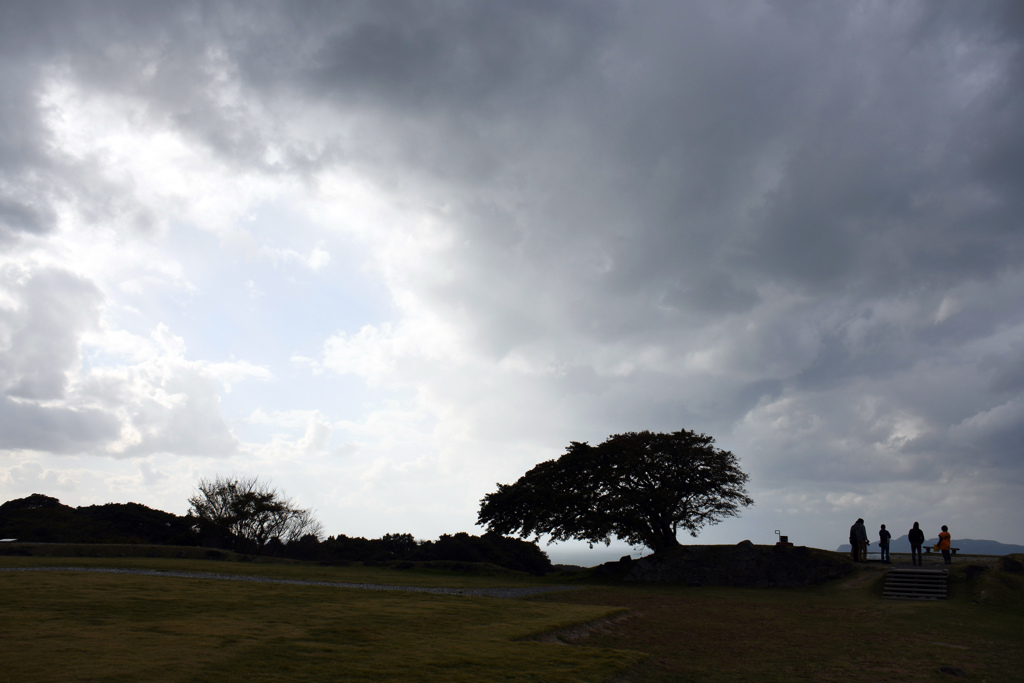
249,513
641,487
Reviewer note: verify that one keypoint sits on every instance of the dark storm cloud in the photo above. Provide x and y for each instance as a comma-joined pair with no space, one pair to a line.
792,141
24,167
1006,371
467,62
672,166
851,155
423,55
825,149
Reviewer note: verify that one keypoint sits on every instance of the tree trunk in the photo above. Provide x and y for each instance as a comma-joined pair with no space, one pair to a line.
665,539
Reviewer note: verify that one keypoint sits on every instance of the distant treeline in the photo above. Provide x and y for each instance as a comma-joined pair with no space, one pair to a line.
43,519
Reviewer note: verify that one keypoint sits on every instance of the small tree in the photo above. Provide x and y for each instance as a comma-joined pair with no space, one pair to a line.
399,545
249,513
641,487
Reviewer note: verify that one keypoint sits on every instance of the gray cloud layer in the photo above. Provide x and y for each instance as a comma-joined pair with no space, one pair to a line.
797,225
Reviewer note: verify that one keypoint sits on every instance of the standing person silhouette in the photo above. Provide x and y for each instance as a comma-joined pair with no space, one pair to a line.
883,544
916,538
944,543
859,541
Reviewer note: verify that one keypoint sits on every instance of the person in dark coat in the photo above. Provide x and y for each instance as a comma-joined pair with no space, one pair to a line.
916,538
883,544
858,541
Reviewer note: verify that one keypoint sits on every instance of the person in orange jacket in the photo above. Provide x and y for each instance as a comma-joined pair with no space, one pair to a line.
944,542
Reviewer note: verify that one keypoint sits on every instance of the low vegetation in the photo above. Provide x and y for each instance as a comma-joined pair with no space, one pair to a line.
267,515
58,626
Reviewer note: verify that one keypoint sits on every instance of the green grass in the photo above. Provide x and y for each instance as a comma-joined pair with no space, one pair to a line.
74,626
844,631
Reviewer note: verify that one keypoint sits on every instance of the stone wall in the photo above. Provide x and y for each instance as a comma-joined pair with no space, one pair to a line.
744,564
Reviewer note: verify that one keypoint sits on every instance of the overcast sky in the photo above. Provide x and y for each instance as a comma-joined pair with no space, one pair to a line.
388,254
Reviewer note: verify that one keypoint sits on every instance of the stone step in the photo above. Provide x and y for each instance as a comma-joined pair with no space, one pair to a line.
916,584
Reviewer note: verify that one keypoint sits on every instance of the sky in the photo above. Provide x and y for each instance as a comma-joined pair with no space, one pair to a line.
386,254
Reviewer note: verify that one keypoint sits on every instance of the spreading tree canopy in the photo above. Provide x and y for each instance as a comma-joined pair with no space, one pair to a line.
641,487
249,513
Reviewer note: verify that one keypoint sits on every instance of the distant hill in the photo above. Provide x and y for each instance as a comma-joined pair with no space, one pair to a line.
42,519
968,546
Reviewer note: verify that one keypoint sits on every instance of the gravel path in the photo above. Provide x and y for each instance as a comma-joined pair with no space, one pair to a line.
489,592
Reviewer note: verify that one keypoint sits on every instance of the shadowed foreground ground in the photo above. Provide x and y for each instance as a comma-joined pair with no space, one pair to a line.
843,631
99,626
72,625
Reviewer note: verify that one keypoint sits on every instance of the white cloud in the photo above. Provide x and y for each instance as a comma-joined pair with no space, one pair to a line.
318,259
160,172
232,372
371,353
30,475
39,332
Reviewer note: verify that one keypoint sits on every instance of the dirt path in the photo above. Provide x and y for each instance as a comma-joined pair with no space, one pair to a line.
511,592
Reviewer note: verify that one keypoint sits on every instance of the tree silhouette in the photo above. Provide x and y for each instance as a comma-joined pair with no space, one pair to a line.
641,487
248,513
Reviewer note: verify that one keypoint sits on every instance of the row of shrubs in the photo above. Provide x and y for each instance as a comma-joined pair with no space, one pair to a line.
491,548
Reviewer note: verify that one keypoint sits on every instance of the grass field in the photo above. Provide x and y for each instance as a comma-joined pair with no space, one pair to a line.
73,626
844,631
